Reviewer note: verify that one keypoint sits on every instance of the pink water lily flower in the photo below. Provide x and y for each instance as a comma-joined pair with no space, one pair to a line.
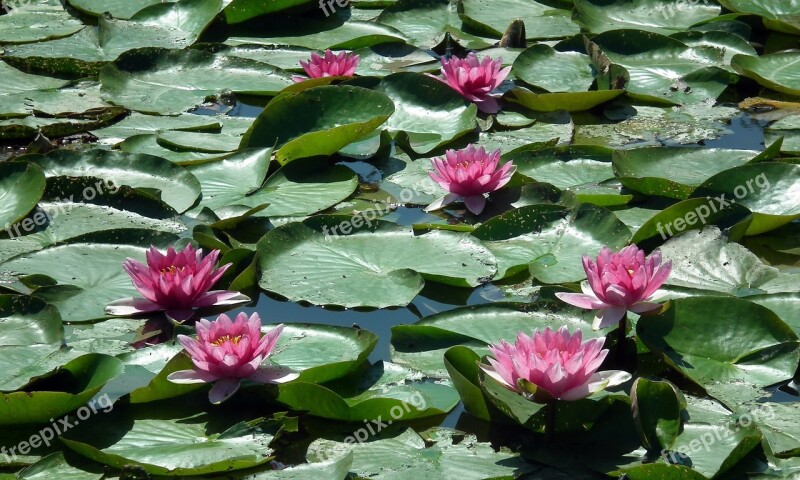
618,282
468,174
475,79
330,65
552,366
176,283
226,352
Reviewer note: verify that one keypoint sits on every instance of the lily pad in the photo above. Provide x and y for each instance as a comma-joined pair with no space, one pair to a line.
293,261
399,456
778,71
768,189
664,69
84,288
174,185
386,391
171,82
427,112
21,187
659,16
318,121
739,341
542,21
169,446
779,15
544,67
551,239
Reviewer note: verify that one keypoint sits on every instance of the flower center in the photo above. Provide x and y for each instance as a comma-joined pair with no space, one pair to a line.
172,270
227,338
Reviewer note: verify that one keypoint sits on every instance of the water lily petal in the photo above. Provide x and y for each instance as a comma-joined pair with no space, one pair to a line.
191,376
223,389
274,374
442,202
127,307
607,317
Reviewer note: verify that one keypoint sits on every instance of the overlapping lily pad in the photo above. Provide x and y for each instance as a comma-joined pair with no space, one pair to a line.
155,81
310,122
308,261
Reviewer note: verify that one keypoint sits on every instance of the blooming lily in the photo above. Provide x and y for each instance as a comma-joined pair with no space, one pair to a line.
618,282
330,65
226,352
552,366
176,283
475,79
468,174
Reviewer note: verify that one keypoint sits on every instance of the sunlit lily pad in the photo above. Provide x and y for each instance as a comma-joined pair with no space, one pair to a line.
171,82
660,16
312,122
293,261
740,341
427,112
551,239
778,71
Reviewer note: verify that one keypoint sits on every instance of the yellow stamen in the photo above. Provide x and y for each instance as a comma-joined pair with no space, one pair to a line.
172,269
226,338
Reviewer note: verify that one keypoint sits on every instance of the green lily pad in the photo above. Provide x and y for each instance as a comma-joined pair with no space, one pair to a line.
82,375
542,21
778,71
568,101
237,11
322,353
21,187
293,258
55,465
28,321
84,287
706,260
386,391
318,121
664,69
37,24
123,9
544,67
175,186
398,456
565,167
171,82
739,341
332,33
427,112
426,22
768,189
164,25
778,15
674,172
139,124
551,239
16,81
169,446
664,17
